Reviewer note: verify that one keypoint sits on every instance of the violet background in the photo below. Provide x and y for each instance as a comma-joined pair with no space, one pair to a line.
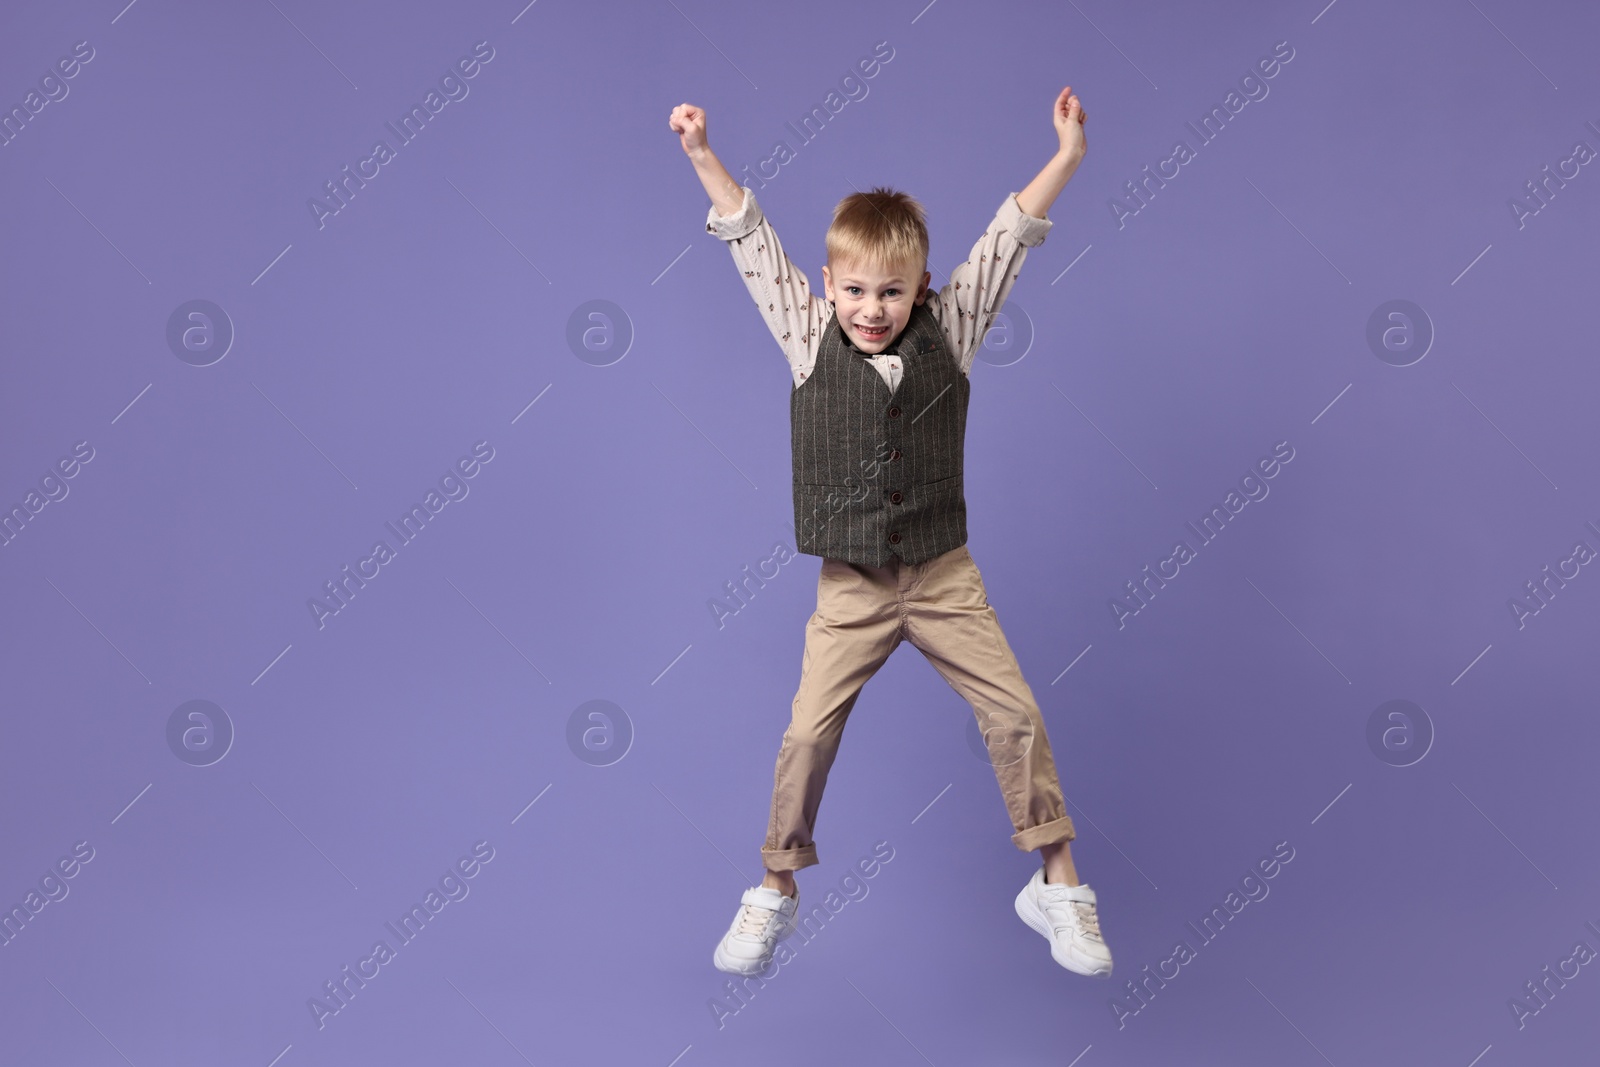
1167,356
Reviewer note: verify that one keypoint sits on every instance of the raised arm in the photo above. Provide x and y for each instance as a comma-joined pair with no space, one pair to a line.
978,287
1068,116
689,123
779,288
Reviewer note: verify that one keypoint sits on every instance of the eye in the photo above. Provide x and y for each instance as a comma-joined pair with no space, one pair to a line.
852,289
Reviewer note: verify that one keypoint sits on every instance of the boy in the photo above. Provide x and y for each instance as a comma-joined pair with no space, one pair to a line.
877,422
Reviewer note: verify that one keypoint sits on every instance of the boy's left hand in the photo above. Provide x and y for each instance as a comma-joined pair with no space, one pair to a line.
1069,118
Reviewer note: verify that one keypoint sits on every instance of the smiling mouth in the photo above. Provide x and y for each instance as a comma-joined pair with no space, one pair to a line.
871,333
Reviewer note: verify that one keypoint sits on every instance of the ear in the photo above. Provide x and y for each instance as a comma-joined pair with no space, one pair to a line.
827,284
922,287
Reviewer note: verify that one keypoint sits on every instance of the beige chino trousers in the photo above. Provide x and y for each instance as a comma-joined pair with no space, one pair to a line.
941,607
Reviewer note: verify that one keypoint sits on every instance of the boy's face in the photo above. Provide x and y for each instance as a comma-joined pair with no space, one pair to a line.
874,305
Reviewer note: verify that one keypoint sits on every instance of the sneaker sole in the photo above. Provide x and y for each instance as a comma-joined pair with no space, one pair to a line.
742,968
1030,913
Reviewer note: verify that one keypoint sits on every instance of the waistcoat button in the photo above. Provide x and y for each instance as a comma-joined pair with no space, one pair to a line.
894,411
895,497
894,538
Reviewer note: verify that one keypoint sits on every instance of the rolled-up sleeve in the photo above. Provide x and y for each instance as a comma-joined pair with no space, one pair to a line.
1025,228
741,222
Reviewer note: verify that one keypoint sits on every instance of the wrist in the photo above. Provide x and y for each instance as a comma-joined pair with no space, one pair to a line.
1065,162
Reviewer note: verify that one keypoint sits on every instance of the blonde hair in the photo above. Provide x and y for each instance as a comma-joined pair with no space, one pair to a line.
882,228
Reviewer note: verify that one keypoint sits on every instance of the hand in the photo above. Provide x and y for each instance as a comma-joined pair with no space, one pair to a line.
1069,118
689,123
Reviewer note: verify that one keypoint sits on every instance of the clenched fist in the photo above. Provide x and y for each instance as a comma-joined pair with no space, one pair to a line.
689,123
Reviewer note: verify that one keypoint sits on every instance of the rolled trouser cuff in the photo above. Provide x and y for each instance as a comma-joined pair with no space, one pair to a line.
1049,833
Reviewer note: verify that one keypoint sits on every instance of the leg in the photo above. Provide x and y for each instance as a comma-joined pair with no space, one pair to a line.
1058,866
850,635
782,881
951,623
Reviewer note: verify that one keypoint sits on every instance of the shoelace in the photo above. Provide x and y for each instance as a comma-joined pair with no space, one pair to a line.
1088,921
753,921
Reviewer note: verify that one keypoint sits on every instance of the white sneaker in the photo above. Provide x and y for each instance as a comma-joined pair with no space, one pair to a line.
1066,917
765,917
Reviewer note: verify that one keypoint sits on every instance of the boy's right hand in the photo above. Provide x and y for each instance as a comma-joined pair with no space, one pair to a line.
689,123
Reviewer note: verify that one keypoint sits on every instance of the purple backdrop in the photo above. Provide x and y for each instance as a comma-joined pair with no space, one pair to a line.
224,384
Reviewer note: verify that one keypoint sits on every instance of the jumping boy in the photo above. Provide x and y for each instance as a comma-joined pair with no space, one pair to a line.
877,423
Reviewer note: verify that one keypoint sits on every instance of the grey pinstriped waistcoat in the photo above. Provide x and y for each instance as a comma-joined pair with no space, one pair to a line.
878,475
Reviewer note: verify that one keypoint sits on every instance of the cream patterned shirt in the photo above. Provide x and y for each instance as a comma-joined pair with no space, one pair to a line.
798,317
